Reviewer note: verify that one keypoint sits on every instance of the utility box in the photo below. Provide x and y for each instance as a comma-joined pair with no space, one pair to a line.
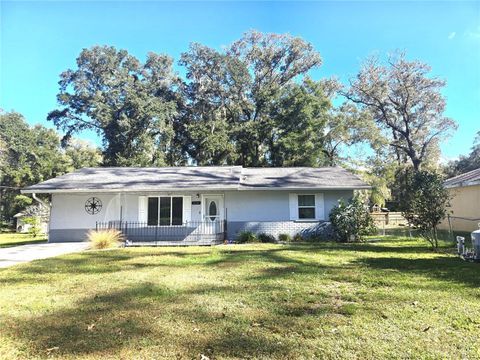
476,244
460,245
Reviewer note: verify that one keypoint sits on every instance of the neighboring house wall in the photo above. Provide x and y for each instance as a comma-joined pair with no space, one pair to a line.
259,211
465,203
22,227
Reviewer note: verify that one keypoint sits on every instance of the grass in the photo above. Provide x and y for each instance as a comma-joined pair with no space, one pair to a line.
8,239
392,298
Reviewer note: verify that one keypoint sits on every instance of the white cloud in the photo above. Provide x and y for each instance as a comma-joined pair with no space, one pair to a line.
475,34
451,35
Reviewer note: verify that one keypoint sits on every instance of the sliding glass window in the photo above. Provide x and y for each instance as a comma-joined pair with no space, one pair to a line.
165,210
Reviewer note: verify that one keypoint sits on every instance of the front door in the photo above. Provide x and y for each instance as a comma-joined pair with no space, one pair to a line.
213,213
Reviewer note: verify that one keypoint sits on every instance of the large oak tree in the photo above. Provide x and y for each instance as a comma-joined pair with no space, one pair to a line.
130,104
230,94
406,102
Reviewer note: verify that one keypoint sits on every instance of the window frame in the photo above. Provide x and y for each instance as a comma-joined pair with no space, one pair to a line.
171,209
314,207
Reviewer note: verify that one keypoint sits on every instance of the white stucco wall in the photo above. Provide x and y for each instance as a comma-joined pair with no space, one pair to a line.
273,205
69,220
68,210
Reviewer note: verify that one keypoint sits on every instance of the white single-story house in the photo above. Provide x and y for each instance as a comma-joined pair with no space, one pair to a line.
193,205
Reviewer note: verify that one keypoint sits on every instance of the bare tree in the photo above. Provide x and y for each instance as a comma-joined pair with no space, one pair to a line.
405,102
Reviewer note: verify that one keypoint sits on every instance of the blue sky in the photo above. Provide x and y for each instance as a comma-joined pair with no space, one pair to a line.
39,40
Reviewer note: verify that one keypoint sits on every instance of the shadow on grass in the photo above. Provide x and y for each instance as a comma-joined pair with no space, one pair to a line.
139,316
100,262
445,268
285,256
179,321
26,242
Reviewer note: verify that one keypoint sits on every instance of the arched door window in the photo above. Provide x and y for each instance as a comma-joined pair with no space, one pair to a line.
213,210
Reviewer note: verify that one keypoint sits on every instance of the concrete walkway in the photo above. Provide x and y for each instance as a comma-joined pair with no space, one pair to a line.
25,253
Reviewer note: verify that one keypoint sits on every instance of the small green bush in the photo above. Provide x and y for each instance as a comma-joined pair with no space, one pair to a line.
246,237
284,237
298,238
35,229
312,238
105,239
266,238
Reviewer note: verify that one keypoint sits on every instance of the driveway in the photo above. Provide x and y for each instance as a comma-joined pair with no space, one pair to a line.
25,253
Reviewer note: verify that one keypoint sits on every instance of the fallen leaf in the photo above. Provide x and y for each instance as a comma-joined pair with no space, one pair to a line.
49,350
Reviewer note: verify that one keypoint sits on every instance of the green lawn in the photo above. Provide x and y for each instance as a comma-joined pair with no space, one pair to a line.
387,299
8,239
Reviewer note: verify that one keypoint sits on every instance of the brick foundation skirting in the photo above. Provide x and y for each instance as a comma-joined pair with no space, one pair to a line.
275,228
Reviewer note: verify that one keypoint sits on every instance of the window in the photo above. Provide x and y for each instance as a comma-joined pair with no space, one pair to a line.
212,210
165,210
306,206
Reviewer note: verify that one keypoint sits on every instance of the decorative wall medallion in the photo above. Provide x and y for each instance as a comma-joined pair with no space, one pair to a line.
93,205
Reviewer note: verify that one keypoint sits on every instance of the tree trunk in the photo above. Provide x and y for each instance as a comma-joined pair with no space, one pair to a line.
416,163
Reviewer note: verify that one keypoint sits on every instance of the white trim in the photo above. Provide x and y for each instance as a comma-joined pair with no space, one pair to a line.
463,184
187,209
142,209
293,206
319,206
364,187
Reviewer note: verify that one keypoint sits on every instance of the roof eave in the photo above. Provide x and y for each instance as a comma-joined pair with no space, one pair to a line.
309,188
241,188
81,191
463,184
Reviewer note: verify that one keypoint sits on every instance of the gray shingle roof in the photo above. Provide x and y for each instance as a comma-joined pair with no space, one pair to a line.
468,179
198,178
300,178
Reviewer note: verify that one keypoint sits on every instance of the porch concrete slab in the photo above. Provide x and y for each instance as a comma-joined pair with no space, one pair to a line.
25,253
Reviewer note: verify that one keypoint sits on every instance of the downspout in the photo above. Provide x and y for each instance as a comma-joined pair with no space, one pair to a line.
40,201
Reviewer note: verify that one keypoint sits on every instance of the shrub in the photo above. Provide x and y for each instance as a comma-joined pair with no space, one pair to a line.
266,238
34,222
285,237
246,237
105,239
298,237
312,238
424,203
351,221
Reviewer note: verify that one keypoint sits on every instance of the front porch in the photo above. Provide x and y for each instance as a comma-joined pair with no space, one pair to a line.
188,233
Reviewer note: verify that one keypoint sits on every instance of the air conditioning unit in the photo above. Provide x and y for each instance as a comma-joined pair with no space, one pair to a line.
476,244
